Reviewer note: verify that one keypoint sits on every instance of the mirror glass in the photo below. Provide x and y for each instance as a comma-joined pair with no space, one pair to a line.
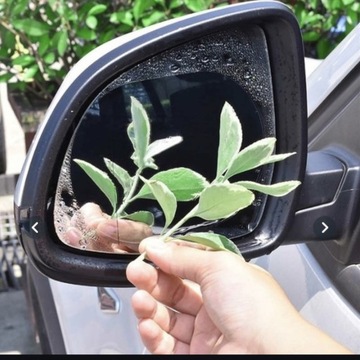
183,91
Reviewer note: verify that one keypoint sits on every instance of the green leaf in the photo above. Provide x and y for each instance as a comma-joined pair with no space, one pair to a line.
230,138
165,198
332,4
8,40
49,58
44,44
101,179
31,27
143,216
123,17
158,146
220,201
139,134
30,72
251,157
323,48
175,4
276,158
19,7
184,183
107,36
23,60
352,18
278,189
91,22
140,6
5,78
153,18
197,5
347,2
121,175
86,34
62,42
311,36
212,240
97,9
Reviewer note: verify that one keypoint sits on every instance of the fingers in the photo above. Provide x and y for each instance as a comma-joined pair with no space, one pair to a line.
179,326
88,216
162,329
91,229
127,232
187,261
157,341
165,288
154,338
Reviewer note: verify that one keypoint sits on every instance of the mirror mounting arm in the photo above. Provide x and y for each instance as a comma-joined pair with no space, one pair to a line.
328,197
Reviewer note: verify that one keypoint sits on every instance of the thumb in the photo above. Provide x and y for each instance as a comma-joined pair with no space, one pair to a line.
186,260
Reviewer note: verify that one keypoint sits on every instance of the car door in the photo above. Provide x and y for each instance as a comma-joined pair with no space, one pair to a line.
321,277
2,144
90,290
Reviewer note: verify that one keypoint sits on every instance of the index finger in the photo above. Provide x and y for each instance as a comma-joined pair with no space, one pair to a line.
189,261
168,289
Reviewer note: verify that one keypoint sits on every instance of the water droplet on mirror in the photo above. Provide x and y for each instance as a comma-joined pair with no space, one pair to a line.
247,75
174,68
83,243
257,203
205,59
228,60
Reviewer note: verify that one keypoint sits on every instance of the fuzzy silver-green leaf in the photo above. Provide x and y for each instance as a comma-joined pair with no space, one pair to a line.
101,179
219,201
143,216
158,146
184,183
139,133
165,198
279,189
230,138
252,156
121,175
212,240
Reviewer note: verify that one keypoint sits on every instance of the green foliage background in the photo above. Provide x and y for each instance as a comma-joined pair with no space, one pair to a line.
40,40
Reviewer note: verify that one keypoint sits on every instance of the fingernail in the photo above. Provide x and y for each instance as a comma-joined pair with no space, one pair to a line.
108,229
155,245
72,236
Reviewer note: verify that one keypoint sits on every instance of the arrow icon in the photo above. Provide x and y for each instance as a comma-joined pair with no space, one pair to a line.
34,227
325,227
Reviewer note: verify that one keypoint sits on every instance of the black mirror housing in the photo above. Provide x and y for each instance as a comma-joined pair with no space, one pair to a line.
268,40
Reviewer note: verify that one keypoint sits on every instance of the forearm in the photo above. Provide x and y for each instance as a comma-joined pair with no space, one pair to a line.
297,336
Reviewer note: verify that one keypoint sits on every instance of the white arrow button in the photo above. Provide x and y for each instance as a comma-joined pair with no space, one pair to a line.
34,227
325,227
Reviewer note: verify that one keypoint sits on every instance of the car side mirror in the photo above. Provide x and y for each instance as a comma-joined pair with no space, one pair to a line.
183,71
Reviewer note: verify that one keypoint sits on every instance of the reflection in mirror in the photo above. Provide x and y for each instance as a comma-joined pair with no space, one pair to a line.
183,91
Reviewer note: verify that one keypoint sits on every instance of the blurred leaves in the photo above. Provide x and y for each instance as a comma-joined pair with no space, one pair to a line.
324,23
41,40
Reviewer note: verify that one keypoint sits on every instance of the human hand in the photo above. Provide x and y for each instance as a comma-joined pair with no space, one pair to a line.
90,228
196,301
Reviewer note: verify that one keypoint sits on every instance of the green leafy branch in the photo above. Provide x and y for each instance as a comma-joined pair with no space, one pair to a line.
215,200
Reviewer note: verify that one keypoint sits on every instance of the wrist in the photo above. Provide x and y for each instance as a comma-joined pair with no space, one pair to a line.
294,335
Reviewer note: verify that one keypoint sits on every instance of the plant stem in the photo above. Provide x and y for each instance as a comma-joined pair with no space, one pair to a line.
167,236
181,222
130,195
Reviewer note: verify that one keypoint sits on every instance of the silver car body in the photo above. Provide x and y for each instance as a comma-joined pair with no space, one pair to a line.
88,326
